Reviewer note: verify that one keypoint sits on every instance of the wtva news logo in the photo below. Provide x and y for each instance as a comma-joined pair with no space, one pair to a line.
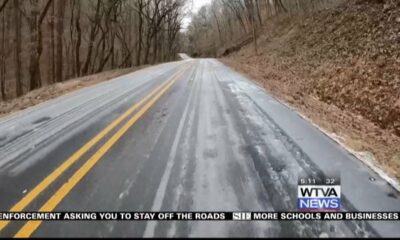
319,195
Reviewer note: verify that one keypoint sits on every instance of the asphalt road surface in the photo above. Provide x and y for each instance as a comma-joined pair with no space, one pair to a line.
191,135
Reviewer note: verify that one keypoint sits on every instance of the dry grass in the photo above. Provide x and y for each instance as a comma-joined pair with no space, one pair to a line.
52,91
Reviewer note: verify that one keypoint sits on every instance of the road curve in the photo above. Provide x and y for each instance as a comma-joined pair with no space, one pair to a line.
190,135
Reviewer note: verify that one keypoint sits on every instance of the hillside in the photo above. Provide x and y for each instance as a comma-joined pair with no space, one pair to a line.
341,68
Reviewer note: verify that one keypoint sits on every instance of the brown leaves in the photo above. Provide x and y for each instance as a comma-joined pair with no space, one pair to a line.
348,56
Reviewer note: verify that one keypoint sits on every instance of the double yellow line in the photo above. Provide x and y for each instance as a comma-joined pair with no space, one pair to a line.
62,192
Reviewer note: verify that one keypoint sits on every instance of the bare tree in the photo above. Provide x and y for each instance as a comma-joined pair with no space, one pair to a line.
3,53
93,32
242,21
250,10
52,45
35,20
82,37
78,39
17,21
59,38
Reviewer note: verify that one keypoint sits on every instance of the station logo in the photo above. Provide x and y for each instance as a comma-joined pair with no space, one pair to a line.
319,194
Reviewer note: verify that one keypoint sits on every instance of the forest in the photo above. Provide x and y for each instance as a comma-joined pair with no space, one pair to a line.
43,42
226,22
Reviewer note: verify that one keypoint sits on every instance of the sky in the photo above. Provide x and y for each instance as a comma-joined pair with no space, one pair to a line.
194,5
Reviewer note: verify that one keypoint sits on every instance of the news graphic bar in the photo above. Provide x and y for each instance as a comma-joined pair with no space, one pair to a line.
199,216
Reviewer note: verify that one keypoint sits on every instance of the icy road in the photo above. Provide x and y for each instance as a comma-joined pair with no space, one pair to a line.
190,135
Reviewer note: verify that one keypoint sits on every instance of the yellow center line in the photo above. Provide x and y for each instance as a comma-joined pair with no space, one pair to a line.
62,192
45,183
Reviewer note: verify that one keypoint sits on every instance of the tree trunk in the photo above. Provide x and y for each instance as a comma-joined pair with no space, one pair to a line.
52,45
140,33
218,27
17,20
279,6
36,48
60,30
71,71
148,46
3,59
251,13
254,35
79,39
257,4
91,39
155,46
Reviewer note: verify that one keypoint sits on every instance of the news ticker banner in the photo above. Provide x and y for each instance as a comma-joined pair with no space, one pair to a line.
318,198
199,216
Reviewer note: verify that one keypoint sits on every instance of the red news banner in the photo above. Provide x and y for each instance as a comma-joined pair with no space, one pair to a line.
199,216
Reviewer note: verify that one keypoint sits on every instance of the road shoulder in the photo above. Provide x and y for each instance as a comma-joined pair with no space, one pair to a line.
53,91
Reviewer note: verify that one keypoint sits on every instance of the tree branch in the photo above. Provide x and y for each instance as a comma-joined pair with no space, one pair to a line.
3,5
44,12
